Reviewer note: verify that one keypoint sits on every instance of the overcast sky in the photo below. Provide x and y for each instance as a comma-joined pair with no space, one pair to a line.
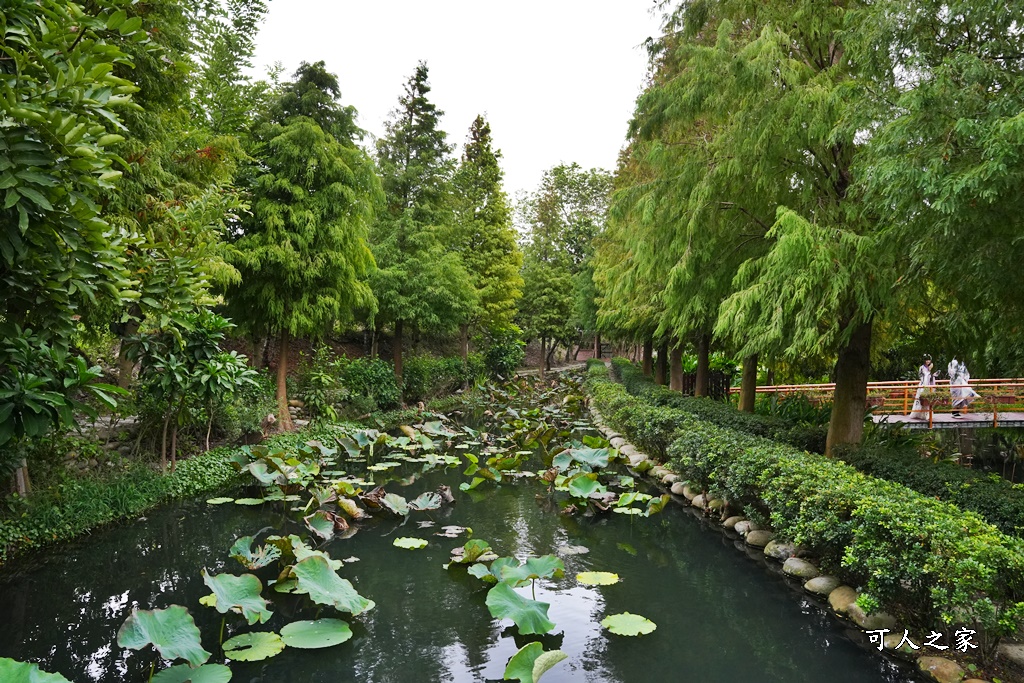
556,79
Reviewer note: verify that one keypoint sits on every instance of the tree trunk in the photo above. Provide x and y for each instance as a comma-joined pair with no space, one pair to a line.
163,442
22,482
125,366
464,343
396,352
284,418
648,360
543,355
568,352
661,367
748,384
597,345
576,353
551,354
375,342
850,399
676,369
703,380
259,352
209,425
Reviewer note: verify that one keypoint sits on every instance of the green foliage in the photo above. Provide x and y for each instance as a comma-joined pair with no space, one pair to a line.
503,351
320,384
995,499
25,672
239,594
530,616
426,377
253,647
531,662
171,631
371,385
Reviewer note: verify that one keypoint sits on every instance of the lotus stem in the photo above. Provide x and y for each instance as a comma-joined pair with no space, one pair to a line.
222,622
152,668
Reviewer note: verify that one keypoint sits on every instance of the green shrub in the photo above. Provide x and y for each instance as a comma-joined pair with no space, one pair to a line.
991,496
319,384
425,377
504,351
371,384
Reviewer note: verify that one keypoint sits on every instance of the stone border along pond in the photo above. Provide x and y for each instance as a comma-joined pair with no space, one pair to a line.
841,599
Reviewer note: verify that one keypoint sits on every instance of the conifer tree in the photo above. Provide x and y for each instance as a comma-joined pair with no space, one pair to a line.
418,281
482,233
304,256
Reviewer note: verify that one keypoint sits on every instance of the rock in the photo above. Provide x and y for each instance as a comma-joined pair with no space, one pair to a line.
689,492
677,488
733,521
822,585
759,538
871,622
841,598
629,450
617,442
295,403
940,669
801,569
716,504
636,459
670,478
698,501
745,527
778,550
93,462
891,641
1013,653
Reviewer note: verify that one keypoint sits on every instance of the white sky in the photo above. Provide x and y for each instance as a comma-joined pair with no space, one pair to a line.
556,79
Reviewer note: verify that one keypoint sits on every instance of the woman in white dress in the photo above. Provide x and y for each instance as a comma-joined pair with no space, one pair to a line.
927,377
959,386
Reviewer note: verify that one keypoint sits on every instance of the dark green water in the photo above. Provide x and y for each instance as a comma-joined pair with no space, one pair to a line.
722,617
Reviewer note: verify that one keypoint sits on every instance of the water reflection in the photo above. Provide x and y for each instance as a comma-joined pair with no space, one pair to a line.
721,617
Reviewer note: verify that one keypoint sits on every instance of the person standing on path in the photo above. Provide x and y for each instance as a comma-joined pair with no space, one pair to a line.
927,382
960,390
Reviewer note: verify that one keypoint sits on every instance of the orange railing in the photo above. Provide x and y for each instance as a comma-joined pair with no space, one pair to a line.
897,398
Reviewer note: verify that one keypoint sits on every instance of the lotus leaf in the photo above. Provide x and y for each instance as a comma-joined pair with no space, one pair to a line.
597,578
473,550
595,442
530,616
469,486
261,557
220,501
351,508
208,600
171,631
531,662
426,501
409,543
656,505
301,551
239,593
183,673
544,567
324,523
585,485
323,585
395,504
627,624
595,458
493,574
253,647
628,511
249,501
12,671
310,635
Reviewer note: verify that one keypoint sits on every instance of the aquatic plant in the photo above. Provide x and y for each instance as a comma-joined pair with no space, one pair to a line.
531,662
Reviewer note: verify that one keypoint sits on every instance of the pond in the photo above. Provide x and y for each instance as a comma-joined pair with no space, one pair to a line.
720,616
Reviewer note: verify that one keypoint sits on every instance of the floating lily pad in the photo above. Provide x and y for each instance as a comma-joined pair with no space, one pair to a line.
628,511
12,671
183,673
409,543
249,501
311,635
253,647
566,550
530,616
171,631
220,501
543,567
531,662
239,593
627,624
597,578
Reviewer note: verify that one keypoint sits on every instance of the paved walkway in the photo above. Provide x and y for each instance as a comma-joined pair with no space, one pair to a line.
533,372
947,421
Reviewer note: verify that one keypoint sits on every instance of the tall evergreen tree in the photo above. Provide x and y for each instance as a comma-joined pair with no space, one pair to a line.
304,256
482,233
418,281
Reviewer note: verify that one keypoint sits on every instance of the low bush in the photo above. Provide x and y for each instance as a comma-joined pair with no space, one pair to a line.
426,377
371,385
991,496
504,351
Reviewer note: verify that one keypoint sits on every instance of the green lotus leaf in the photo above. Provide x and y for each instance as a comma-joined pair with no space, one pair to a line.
544,567
242,551
493,573
171,631
320,524
426,501
208,600
595,441
395,504
562,460
324,586
220,501
409,543
249,501
12,671
584,485
628,511
597,578
627,624
530,616
312,635
656,505
473,550
351,508
469,486
531,662
301,551
239,593
253,647
595,458
183,673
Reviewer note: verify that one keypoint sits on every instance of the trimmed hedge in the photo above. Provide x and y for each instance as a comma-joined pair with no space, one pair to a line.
991,496
804,437
945,566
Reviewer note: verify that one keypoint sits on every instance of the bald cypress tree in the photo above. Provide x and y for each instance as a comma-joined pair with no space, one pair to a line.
304,255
